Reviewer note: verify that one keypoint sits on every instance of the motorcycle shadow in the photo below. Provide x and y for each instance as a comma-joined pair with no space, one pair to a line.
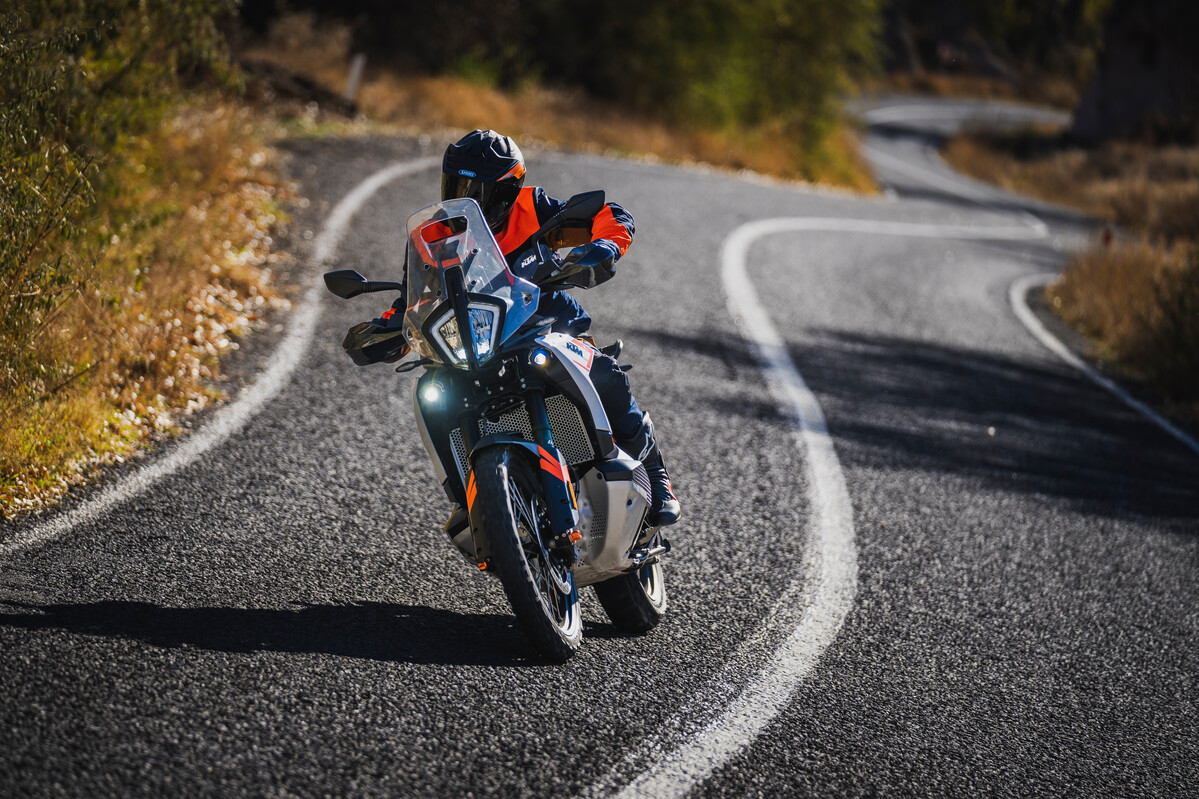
370,630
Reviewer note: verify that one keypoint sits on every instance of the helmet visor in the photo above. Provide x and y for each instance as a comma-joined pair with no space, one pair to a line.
494,198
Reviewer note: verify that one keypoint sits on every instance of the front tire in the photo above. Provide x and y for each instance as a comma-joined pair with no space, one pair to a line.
635,602
540,589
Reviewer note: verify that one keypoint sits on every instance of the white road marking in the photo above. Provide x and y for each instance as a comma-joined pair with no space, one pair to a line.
1016,294
985,112
826,593
228,420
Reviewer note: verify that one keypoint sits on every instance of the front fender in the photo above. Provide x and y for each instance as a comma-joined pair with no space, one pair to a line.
560,501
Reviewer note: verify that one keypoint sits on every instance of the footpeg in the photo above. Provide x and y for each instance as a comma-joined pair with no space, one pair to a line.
650,553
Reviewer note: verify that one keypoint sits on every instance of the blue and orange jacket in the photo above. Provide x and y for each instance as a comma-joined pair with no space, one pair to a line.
530,211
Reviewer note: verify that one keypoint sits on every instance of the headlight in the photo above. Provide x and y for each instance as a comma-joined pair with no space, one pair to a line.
482,323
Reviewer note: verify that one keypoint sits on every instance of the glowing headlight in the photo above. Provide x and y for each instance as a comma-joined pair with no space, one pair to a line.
431,393
482,322
539,357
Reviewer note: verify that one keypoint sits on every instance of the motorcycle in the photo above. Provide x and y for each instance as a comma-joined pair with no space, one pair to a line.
545,499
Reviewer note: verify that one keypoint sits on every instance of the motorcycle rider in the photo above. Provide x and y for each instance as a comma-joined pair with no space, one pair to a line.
490,169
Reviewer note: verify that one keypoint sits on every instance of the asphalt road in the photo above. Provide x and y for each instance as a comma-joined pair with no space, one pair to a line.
284,617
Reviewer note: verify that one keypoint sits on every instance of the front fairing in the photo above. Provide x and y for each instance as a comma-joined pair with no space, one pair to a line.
449,236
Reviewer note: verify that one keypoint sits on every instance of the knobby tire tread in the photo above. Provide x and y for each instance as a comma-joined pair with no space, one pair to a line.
493,469
627,605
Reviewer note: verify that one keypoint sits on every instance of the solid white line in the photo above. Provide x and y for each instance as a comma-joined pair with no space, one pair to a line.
228,420
828,591
1016,296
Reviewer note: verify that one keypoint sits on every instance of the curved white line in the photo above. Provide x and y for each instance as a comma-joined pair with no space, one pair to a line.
229,419
967,112
1016,294
827,590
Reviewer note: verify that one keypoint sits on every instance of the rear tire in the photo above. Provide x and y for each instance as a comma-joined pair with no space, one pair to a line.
512,508
635,602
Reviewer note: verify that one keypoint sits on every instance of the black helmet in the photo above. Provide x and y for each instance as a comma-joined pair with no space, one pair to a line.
486,167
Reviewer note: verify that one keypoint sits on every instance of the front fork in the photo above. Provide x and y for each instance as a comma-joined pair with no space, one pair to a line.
562,513
563,507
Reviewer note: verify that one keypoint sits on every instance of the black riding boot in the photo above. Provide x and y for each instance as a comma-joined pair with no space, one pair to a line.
665,508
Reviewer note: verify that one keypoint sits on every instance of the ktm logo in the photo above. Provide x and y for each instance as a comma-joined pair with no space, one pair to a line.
574,348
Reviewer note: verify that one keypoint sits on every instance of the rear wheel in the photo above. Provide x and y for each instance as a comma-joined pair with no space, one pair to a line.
635,602
540,588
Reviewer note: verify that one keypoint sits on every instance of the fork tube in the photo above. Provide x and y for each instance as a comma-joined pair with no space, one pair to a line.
539,420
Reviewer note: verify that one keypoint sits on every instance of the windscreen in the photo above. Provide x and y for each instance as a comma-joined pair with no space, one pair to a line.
453,233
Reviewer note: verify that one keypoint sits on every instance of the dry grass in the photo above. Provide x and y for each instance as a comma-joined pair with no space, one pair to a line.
1149,190
550,116
1138,299
1139,303
1055,91
180,271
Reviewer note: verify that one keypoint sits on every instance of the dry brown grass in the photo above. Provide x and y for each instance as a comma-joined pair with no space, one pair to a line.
1139,303
1149,190
550,116
173,286
1051,90
1137,299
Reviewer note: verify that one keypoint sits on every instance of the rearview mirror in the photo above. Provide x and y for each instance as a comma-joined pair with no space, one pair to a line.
345,283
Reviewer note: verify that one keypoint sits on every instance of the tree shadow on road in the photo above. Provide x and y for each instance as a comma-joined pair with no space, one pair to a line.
369,630
1022,425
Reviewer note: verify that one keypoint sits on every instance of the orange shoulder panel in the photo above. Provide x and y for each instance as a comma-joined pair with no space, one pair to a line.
605,226
522,222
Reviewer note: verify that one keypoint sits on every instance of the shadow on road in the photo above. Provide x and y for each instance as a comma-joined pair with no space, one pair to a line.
369,630
899,404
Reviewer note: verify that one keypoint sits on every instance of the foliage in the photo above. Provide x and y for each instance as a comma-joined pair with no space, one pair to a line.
80,81
135,214
713,64
726,65
1063,37
1139,301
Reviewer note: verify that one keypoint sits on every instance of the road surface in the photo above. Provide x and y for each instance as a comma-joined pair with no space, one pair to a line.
919,555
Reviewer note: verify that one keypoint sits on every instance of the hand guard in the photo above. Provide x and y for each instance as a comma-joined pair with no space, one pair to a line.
589,265
368,343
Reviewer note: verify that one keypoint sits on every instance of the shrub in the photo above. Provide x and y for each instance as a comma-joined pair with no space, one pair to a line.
81,80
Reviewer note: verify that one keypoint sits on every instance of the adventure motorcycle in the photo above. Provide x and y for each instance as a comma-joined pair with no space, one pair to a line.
514,427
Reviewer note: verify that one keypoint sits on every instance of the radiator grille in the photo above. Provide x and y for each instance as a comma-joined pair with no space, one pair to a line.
566,427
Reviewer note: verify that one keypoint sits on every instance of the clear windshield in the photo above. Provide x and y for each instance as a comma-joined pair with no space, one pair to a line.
450,234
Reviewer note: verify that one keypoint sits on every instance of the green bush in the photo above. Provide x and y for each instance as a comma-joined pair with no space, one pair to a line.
723,64
80,80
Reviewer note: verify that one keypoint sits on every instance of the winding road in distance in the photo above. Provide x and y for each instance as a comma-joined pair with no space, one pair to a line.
920,554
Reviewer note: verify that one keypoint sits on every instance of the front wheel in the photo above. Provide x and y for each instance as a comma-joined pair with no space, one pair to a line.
635,602
540,589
